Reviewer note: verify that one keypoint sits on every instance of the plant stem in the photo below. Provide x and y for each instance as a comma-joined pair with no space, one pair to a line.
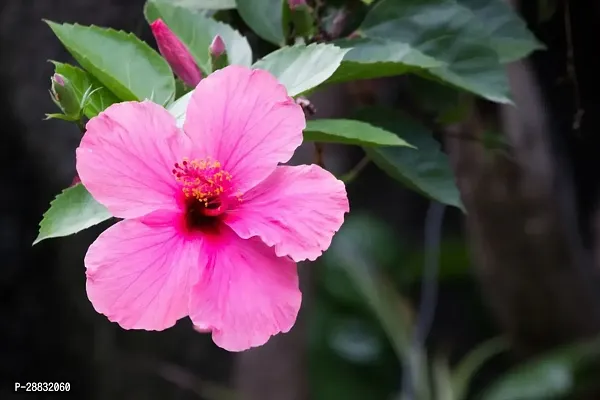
80,125
319,154
356,170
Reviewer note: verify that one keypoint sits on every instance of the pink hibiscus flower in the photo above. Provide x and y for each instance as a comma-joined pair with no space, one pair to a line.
212,224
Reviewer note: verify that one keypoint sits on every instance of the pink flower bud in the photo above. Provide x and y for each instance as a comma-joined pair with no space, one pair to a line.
64,96
217,47
296,3
177,55
58,78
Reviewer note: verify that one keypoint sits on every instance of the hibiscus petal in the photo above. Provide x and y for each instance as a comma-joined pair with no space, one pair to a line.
126,157
246,294
244,119
296,209
139,272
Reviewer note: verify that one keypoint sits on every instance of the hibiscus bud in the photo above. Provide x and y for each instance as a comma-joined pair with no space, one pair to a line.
58,78
302,18
177,55
218,53
217,47
64,96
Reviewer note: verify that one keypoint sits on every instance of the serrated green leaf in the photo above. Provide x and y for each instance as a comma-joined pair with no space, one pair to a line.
81,81
265,18
449,32
347,131
119,60
425,169
301,68
197,33
70,212
376,58
197,5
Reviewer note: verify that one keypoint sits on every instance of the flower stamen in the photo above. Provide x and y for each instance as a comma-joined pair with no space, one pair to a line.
207,183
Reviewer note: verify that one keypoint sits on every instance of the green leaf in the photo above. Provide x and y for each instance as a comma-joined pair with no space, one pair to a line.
348,131
486,79
377,58
448,32
450,105
181,89
440,378
197,33
508,33
198,5
384,248
425,169
352,252
61,116
349,356
549,376
464,372
301,68
120,61
265,18
70,212
301,22
81,81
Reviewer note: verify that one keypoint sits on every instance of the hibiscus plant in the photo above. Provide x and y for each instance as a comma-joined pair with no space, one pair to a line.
187,145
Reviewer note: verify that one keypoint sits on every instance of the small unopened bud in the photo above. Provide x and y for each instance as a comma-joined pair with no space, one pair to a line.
218,53
217,47
64,96
296,3
302,18
58,78
177,55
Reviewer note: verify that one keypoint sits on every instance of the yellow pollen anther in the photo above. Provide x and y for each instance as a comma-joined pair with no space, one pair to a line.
205,180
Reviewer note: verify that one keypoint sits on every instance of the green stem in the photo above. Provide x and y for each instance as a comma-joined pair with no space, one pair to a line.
319,155
356,170
80,125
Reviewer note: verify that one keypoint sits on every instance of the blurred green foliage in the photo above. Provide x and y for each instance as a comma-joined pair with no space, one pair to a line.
360,330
